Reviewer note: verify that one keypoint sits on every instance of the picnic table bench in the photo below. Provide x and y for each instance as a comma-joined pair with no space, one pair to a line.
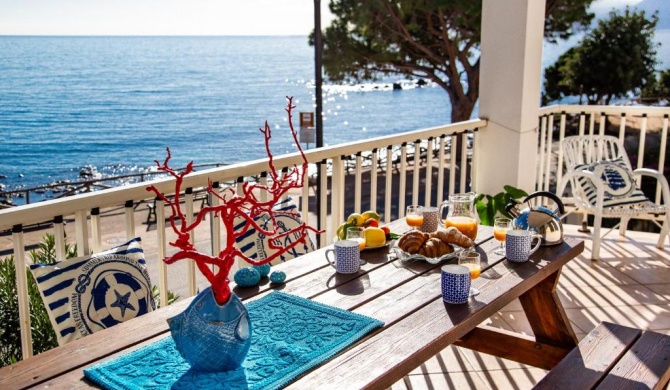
614,357
406,296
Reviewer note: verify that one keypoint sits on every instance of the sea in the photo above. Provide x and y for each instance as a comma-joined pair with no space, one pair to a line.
109,106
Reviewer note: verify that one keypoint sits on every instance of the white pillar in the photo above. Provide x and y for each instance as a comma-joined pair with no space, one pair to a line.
509,94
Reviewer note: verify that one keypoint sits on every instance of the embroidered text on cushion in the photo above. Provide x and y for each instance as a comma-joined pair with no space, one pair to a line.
86,294
620,186
256,245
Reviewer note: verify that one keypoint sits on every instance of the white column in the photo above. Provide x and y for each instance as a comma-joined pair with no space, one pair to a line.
509,94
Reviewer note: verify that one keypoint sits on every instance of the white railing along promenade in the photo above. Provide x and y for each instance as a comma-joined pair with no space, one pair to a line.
384,154
646,127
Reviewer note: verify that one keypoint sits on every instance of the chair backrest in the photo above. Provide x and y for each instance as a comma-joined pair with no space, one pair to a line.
585,149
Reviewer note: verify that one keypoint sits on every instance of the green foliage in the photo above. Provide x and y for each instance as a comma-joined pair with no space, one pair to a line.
436,40
43,335
658,88
489,207
155,293
614,59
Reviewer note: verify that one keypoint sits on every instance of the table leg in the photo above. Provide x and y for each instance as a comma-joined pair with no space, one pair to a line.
546,315
554,337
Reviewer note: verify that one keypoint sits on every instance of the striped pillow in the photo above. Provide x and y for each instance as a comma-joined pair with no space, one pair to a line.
620,186
257,246
86,294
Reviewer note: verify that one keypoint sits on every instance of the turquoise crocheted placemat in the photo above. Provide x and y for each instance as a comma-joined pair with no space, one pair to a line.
291,335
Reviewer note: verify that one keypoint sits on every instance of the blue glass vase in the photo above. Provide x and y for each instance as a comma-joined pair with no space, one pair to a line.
212,337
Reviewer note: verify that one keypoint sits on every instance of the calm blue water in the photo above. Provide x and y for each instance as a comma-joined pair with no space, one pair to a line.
117,102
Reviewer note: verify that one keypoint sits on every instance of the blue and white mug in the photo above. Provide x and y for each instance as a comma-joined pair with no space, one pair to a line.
455,283
431,219
518,245
347,256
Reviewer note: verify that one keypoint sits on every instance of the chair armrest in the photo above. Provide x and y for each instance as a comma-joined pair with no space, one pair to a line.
665,191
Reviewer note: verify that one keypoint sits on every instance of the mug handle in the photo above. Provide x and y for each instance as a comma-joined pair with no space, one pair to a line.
537,246
441,215
332,264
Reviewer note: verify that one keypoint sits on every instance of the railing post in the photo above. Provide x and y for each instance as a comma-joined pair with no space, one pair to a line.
81,232
95,229
162,250
323,201
130,219
59,237
215,223
188,200
429,174
402,174
357,183
389,186
22,291
440,173
373,180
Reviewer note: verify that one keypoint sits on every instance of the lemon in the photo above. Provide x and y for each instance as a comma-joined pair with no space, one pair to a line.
355,219
371,215
374,237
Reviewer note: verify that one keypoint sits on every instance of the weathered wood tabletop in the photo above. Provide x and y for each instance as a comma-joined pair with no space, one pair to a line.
405,295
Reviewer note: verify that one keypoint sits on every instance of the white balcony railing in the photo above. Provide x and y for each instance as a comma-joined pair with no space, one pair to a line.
393,172
379,156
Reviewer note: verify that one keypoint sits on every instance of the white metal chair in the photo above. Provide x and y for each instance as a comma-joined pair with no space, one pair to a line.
603,184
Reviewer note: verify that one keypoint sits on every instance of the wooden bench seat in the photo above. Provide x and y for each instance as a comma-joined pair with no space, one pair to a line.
613,357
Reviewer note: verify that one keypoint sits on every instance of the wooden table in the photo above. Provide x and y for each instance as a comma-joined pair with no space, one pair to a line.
406,296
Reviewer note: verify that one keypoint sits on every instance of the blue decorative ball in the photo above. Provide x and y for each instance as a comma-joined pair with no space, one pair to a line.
277,277
247,277
263,270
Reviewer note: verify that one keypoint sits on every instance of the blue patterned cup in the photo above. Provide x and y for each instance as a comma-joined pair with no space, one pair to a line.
455,283
347,257
518,245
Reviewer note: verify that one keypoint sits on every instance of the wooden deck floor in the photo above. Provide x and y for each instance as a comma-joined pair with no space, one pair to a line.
629,286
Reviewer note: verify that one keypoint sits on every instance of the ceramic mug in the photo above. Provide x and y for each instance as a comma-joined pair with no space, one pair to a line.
431,219
347,256
518,245
455,283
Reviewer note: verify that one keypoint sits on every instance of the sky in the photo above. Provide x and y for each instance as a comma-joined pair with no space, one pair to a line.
159,17
176,17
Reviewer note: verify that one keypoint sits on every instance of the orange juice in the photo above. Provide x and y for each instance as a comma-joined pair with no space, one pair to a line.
414,220
361,242
475,269
500,234
466,225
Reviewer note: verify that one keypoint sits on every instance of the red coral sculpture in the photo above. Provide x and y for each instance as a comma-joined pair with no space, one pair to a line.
246,205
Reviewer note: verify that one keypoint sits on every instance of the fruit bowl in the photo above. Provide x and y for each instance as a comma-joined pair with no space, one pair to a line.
385,245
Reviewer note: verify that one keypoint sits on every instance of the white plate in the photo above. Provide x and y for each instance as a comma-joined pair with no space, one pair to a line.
404,256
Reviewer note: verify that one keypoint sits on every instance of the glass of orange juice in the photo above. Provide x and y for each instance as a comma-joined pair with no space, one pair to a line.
500,228
472,261
357,234
414,216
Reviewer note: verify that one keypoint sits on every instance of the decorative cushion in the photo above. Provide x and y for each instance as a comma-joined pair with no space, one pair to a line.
620,186
86,294
257,246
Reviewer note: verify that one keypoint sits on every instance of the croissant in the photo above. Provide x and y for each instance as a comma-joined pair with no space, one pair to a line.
411,242
453,236
434,247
